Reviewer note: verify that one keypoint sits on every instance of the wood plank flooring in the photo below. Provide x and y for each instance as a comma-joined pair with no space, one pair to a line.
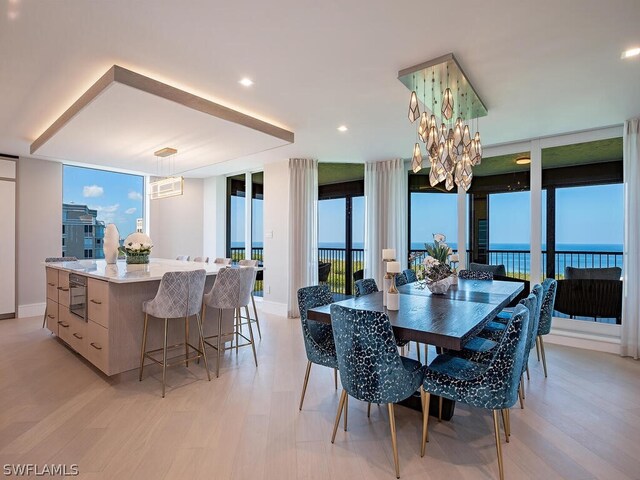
583,422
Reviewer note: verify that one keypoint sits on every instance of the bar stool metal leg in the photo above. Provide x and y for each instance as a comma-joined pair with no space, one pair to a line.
202,346
253,345
186,341
255,312
164,356
219,335
144,343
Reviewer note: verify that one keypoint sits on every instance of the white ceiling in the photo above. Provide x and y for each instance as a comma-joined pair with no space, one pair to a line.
542,68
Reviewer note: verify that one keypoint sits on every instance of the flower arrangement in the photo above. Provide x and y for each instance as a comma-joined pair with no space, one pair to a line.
436,268
137,247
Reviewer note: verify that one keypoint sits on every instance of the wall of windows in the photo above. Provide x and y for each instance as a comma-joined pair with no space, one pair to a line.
92,199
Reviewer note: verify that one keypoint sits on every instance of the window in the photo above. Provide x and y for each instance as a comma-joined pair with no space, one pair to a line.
433,213
93,198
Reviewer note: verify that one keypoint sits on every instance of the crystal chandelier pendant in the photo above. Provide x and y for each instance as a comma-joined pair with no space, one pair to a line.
464,172
443,134
449,182
449,160
441,172
457,132
433,176
447,104
478,150
432,138
414,110
416,162
423,128
466,137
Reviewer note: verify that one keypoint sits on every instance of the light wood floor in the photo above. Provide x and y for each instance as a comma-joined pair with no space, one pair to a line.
582,422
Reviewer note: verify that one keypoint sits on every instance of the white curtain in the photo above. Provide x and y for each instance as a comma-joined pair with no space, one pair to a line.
303,228
630,341
385,192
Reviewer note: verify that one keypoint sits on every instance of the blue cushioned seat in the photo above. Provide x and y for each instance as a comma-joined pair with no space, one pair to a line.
493,386
371,370
317,336
365,286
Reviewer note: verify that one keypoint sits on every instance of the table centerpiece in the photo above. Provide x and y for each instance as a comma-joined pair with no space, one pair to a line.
436,273
137,247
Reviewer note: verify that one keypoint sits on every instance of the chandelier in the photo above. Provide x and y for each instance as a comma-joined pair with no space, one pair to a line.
167,185
450,147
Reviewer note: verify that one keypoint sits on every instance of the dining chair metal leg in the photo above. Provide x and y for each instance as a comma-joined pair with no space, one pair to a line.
343,396
394,443
255,312
44,318
202,346
544,359
219,336
527,370
144,344
304,385
368,409
164,355
253,343
335,377
439,409
346,412
522,386
520,395
425,398
538,347
186,341
505,424
496,429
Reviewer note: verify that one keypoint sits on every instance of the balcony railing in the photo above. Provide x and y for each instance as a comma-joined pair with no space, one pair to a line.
516,262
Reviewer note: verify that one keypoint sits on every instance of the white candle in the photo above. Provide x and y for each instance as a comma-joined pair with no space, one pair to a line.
454,258
393,267
388,254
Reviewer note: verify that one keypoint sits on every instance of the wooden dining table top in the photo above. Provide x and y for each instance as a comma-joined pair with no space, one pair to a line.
447,320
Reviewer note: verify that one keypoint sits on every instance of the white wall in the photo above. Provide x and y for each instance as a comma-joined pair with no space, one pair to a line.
39,229
175,223
215,217
276,231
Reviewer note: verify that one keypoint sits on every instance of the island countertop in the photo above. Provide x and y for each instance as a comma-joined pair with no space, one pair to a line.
121,272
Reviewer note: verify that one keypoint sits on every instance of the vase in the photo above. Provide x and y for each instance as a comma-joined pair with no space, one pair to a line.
137,258
111,244
439,287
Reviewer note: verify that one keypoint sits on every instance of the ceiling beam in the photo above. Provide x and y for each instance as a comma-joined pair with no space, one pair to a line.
117,74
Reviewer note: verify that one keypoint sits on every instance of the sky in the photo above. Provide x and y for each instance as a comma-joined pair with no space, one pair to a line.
584,215
118,197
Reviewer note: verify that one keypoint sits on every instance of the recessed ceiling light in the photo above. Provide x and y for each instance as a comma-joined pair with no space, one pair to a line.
523,160
342,128
247,82
632,52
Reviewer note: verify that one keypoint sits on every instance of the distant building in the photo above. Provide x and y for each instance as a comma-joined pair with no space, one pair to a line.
82,232
139,225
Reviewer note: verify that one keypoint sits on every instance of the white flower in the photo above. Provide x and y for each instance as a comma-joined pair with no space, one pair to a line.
439,237
430,262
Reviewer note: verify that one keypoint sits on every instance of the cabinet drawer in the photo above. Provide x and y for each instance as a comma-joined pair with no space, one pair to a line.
52,316
64,324
98,346
98,301
78,335
63,288
52,284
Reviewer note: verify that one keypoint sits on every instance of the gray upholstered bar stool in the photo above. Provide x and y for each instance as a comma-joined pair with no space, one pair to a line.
201,259
51,260
254,265
179,296
183,258
222,261
231,291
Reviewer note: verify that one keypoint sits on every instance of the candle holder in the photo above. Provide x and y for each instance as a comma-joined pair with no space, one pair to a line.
393,297
388,255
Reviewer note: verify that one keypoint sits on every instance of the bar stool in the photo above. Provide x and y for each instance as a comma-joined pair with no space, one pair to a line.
222,261
231,291
179,296
254,265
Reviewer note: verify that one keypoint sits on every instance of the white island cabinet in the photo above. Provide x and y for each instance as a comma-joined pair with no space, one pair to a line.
110,334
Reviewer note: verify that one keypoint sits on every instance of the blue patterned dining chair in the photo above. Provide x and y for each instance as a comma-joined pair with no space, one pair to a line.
493,386
475,275
371,370
546,316
401,279
410,275
317,336
365,286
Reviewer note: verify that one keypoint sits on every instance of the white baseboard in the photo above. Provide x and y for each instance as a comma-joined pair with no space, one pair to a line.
31,310
274,308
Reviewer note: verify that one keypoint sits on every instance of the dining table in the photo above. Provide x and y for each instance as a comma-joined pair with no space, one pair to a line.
446,321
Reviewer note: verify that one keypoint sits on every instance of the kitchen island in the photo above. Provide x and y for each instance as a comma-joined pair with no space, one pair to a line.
103,321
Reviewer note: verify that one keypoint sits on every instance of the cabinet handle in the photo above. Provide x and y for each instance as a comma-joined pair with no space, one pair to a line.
97,347
62,324
51,284
50,316
79,337
96,302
